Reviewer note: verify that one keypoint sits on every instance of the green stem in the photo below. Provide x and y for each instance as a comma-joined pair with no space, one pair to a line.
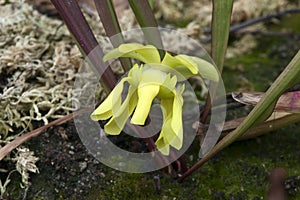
220,34
112,28
268,126
146,19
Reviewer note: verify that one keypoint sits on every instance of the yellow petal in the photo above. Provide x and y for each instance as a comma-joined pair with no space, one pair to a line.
151,75
161,143
104,110
189,66
167,88
116,124
115,53
146,94
172,135
206,69
177,113
163,147
124,52
182,64
170,60
176,122
146,54
184,71
188,62
166,106
129,47
136,75
168,137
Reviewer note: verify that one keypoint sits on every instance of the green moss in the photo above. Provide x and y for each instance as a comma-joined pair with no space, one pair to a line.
257,69
239,172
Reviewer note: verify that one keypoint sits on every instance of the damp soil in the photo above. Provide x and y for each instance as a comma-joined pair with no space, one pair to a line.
68,171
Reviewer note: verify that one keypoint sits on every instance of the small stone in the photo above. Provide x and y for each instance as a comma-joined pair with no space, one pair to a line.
102,174
82,166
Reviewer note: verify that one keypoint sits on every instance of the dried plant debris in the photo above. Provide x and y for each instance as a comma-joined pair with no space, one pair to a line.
38,64
25,163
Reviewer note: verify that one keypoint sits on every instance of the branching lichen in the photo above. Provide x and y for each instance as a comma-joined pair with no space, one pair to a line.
25,163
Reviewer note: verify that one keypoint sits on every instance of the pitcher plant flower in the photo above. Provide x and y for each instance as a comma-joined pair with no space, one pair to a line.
153,79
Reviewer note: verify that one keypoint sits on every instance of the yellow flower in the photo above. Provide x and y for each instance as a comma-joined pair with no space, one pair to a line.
153,79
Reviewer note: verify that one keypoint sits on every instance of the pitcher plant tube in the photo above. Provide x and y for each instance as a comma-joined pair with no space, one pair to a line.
152,79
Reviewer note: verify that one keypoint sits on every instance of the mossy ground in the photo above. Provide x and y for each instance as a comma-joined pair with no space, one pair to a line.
238,172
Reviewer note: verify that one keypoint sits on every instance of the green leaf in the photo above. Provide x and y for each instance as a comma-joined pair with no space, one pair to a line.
220,30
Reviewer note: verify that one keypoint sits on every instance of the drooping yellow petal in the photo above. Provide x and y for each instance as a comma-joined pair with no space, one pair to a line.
166,106
189,63
144,53
176,123
115,53
136,75
206,69
170,61
149,53
170,136
166,89
104,110
171,133
161,143
189,66
184,72
146,94
116,124
162,146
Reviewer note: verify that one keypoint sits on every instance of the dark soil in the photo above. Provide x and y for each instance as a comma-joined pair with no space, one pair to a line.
67,171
